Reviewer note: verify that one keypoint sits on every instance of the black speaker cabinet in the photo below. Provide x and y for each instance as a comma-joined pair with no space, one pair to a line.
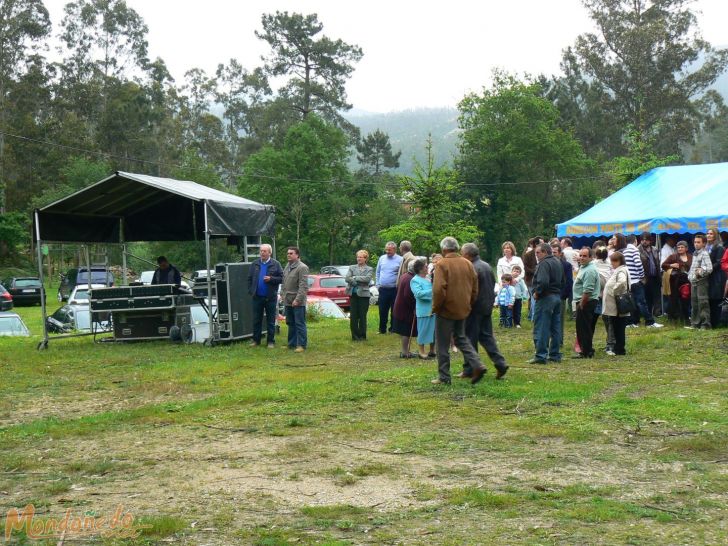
138,325
234,304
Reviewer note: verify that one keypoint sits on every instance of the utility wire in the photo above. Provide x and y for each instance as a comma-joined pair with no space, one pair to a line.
288,178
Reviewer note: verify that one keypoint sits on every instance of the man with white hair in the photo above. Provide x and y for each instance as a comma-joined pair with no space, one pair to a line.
454,291
265,275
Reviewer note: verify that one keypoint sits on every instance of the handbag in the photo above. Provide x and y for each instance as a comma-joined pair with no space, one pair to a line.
625,303
685,291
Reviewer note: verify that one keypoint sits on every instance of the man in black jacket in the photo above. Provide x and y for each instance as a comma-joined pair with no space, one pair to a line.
479,324
548,280
650,257
166,273
266,275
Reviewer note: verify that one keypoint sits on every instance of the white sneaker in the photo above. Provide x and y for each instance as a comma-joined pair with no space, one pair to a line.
611,353
518,325
655,325
632,326
689,327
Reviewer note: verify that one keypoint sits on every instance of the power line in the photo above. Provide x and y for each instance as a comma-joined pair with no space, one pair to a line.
288,178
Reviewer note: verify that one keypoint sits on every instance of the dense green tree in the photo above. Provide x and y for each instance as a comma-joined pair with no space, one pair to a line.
643,60
437,212
315,67
525,172
375,153
23,25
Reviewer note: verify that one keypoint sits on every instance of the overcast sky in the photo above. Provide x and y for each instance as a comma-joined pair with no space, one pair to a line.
416,53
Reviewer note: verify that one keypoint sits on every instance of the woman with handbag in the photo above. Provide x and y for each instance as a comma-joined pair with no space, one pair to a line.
618,304
678,265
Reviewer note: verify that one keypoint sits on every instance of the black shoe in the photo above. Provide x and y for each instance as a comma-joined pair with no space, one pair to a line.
501,372
555,360
408,355
431,354
536,361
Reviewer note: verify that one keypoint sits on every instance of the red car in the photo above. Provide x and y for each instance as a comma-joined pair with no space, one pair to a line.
329,286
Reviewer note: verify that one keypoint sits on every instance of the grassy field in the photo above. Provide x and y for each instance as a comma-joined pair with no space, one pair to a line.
348,444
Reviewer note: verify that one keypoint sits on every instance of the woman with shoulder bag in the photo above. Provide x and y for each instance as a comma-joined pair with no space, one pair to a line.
678,265
616,296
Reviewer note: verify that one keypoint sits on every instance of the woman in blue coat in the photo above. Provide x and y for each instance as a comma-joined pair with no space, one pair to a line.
422,289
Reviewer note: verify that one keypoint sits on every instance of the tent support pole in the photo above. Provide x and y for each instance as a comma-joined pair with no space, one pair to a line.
87,256
124,272
208,262
43,344
658,242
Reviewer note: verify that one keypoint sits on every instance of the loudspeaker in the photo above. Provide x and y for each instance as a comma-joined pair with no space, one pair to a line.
234,303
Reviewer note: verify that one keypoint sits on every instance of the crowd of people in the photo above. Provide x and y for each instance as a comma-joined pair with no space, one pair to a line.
446,302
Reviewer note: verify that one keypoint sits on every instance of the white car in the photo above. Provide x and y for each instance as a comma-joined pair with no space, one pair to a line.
12,325
79,294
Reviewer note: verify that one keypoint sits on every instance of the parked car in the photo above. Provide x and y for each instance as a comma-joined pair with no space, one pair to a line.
329,286
79,294
145,278
343,270
6,300
325,307
24,290
73,318
80,276
12,325
335,270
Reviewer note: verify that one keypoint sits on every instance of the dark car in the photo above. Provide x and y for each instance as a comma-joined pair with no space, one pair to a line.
6,300
76,276
71,318
24,290
329,286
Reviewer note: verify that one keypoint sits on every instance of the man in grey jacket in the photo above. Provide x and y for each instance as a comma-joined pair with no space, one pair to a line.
479,324
547,284
295,288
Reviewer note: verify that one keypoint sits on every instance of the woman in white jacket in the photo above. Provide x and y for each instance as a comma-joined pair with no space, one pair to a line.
617,284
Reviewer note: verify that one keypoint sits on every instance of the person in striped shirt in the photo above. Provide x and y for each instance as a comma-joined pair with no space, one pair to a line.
637,278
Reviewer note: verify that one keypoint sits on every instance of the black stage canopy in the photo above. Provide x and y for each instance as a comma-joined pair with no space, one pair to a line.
127,207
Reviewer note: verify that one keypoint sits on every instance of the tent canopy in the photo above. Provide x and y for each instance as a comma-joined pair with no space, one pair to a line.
683,199
137,207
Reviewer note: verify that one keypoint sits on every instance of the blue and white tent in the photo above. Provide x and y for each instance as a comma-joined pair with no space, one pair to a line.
683,199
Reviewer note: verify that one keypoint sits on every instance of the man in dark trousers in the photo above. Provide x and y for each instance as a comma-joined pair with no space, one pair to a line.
587,287
454,291
548,280
479,324
264,278
650,257
166,273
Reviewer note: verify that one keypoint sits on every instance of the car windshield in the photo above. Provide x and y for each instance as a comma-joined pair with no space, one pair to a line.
81,294
146,277
332,282
97,277
329,309
12,326
27,283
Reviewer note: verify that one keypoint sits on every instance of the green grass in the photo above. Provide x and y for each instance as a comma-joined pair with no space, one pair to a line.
349,444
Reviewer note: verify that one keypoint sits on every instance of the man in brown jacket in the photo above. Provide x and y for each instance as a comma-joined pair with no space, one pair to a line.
293,291
454,291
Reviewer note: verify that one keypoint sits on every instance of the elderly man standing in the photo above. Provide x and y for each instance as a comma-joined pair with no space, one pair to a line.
387,274
548,280
586,295
265,275
454,292
405,250
295,288
479,324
